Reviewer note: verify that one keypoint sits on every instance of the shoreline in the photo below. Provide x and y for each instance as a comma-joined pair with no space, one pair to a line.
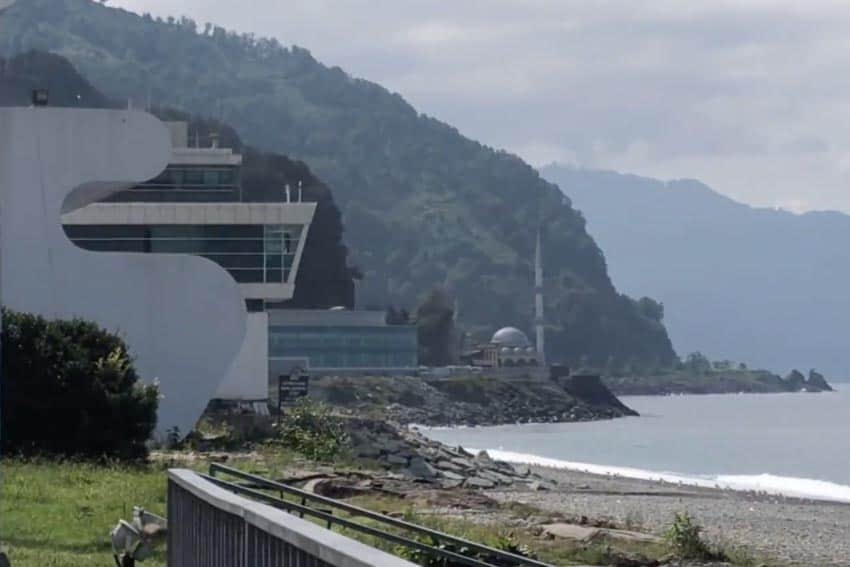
775,529
819,491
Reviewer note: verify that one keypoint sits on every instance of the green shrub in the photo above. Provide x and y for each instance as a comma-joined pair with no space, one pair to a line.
411,399
212,435
311,429
504,542
342,393
684,536
71,390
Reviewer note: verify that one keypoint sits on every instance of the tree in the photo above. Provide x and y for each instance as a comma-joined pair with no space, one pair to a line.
397,316
697,362
435,329
71,390
651,309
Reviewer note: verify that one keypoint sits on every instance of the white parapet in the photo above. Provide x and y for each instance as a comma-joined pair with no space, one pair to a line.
182,316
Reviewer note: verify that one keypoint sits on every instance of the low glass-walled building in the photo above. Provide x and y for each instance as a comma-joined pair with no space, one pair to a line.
339,340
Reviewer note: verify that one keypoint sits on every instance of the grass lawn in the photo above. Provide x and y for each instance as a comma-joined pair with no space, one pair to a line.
54,514
60,514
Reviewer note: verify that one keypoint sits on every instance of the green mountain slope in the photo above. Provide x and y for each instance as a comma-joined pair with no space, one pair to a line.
423,206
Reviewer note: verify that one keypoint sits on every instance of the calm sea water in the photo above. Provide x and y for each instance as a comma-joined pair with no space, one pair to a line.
778,442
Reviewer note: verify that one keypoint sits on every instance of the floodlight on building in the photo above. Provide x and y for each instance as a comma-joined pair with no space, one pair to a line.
40,97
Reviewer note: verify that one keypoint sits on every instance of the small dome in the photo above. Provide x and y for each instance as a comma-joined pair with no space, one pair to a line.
510,337
505,349
529,349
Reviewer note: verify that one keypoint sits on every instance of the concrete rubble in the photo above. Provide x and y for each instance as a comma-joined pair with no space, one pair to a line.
411,454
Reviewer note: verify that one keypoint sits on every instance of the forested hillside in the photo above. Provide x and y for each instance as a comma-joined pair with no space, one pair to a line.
324,279
761,286
423,206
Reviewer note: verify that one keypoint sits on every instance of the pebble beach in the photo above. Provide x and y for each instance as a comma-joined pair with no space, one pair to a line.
776,529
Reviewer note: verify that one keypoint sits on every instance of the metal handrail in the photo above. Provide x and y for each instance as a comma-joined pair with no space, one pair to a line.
331,519
357,511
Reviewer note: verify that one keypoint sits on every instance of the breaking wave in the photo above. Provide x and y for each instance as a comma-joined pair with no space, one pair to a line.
766,483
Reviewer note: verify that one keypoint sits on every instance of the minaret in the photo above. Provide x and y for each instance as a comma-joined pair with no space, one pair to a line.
538,302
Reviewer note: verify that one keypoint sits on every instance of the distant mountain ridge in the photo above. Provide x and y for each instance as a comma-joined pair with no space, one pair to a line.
762,286
423,206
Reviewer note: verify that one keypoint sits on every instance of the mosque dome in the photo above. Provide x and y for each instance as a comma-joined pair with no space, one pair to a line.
510,337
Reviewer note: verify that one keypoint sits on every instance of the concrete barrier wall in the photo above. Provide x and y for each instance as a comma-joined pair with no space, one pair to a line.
211,527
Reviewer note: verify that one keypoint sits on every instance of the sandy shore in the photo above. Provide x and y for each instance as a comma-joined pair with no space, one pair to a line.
783,531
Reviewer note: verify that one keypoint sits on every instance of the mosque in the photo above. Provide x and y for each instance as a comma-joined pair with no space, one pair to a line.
510,348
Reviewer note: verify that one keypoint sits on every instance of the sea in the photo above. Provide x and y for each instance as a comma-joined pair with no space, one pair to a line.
792,444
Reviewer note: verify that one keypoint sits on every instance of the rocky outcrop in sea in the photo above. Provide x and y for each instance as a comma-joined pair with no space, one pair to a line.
470,401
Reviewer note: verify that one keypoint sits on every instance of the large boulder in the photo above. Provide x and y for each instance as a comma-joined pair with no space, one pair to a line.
817,382
795,381
419,468
589,389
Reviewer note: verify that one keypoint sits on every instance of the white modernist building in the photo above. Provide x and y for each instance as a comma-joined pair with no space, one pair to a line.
174,278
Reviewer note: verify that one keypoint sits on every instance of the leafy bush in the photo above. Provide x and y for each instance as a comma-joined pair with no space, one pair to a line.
311,429
71,389
210,434
342,393
684,536
503,542
408,397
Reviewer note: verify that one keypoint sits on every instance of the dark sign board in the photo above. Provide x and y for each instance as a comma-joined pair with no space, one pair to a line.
40,97
291,388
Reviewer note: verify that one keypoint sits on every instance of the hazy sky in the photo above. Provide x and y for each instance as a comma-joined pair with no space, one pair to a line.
752,97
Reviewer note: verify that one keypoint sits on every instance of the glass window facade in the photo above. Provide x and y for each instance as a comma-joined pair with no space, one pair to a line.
251,253
183,183
391,346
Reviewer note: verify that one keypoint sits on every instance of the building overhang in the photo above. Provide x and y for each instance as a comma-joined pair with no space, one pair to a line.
210,157
191,213
265,214
268,291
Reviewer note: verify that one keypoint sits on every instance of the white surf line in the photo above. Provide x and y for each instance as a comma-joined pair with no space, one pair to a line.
766,483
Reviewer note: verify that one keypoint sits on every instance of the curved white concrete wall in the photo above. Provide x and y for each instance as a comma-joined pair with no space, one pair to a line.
183,316
248,376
